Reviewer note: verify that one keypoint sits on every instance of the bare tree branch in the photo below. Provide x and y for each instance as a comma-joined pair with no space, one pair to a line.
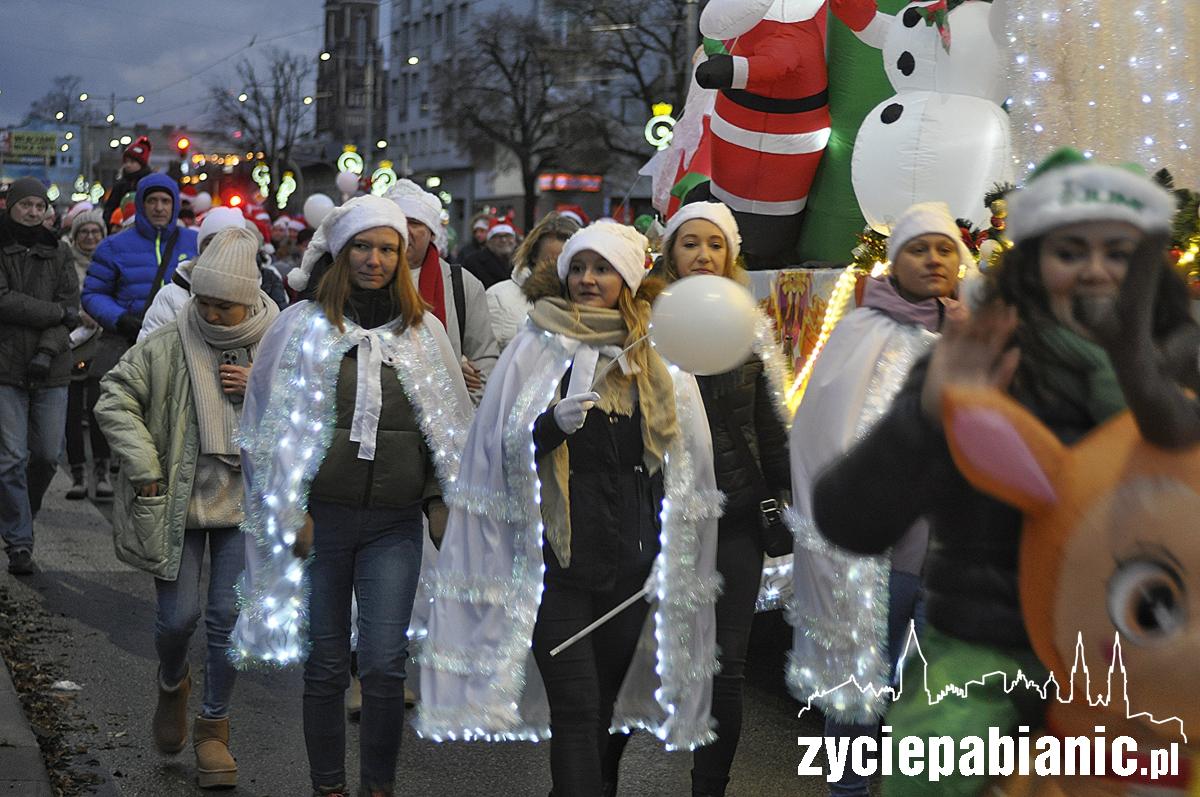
272,115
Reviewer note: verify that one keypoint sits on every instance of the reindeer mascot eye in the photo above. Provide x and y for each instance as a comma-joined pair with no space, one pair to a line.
1146,601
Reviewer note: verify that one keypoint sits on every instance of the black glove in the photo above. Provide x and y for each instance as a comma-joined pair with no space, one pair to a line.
70,317
716,72
129,325
39,366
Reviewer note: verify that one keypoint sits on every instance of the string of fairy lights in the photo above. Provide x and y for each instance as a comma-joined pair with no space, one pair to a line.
1116,80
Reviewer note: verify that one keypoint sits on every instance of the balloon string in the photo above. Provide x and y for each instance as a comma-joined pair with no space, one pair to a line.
596,379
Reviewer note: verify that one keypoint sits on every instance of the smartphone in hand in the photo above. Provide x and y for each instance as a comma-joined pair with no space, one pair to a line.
239,357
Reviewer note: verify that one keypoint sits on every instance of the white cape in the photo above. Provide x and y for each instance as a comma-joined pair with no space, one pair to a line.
287,423
479,677
839,606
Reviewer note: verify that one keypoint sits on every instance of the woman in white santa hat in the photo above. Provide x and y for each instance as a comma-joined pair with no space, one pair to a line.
354,416
559,516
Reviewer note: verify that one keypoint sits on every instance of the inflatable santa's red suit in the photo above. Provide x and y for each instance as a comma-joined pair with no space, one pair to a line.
770,123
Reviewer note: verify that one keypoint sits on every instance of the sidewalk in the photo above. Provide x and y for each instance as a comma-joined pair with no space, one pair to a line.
22,771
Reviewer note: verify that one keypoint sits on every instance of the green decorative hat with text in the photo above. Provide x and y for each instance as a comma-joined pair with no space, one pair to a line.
1070,188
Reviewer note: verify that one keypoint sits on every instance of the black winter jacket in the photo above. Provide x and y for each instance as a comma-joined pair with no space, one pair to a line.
747,394
36,284
125,183
615,503
902,471
488,267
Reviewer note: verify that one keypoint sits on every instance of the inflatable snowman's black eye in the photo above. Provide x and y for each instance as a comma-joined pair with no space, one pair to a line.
891,113
906,63
1146,601
911,17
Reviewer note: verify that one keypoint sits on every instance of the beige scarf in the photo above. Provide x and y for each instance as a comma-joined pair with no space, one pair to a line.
202,347
651,386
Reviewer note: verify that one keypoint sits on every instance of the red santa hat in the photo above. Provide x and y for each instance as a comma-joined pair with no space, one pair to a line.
139,150
574,213
501,227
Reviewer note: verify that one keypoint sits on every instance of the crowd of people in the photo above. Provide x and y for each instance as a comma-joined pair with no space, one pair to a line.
331,413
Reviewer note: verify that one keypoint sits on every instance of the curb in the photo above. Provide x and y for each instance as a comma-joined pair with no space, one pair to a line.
21,768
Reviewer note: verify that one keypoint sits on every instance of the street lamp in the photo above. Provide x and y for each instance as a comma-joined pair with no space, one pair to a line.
308,100
59,115
139,99
325,56
381,143
83,97
413,60
68,135
243,97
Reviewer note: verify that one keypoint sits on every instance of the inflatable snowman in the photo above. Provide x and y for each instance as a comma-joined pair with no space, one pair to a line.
943,136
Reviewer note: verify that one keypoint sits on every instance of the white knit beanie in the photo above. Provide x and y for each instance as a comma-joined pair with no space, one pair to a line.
341,225
228,269
218,219
623,247
925,218
715,212
1068,188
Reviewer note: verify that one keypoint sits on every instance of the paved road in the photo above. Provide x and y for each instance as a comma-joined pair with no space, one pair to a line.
101,619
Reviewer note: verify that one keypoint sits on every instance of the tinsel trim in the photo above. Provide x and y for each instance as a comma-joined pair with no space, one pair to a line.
854,636
681,591
414,356
286,451
519,507
775,589
774,366
854,639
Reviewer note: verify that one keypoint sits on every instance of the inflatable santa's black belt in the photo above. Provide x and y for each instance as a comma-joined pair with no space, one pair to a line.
757,102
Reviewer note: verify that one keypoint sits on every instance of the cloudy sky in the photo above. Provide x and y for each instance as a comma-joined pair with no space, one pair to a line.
171,51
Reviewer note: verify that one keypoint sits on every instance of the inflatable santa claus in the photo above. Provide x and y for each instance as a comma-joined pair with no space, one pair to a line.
770,122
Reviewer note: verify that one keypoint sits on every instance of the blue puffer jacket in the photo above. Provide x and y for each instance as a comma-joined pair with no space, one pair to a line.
119,279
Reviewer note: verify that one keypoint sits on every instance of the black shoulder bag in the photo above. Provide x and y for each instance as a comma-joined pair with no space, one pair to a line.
774,537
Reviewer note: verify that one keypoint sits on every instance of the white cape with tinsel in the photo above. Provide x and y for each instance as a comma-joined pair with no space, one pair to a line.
839,606
479,679
287,424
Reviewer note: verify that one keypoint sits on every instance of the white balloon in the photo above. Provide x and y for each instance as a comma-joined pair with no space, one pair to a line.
347,182
704,324
316,208
202,202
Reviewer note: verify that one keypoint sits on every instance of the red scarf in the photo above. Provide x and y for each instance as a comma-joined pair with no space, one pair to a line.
430,284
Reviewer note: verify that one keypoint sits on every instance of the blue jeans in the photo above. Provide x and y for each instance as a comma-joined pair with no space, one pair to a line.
904,590
32,425
376,555
179,612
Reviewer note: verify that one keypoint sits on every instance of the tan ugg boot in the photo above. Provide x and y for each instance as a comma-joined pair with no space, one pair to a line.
215,765
170,716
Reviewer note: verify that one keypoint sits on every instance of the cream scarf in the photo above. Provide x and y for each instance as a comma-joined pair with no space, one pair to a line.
649,384
202,347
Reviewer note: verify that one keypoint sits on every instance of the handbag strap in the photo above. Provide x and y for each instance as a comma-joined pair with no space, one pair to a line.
163,264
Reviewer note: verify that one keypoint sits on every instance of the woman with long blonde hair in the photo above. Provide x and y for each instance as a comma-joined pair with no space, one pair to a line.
559,517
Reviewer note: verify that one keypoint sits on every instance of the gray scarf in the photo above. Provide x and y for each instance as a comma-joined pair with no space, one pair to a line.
203,344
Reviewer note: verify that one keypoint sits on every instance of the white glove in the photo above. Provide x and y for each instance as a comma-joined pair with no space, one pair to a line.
569,413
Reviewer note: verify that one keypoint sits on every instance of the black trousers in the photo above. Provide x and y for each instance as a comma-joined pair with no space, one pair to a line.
81,405
739,561
582,682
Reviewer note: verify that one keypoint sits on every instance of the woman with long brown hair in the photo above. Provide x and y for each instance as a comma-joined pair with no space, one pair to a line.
583,443
507,303
354,417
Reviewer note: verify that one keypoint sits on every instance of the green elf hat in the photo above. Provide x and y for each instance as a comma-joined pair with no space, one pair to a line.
1069,188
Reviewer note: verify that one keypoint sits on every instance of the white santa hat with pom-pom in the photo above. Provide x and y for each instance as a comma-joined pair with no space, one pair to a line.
341,225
